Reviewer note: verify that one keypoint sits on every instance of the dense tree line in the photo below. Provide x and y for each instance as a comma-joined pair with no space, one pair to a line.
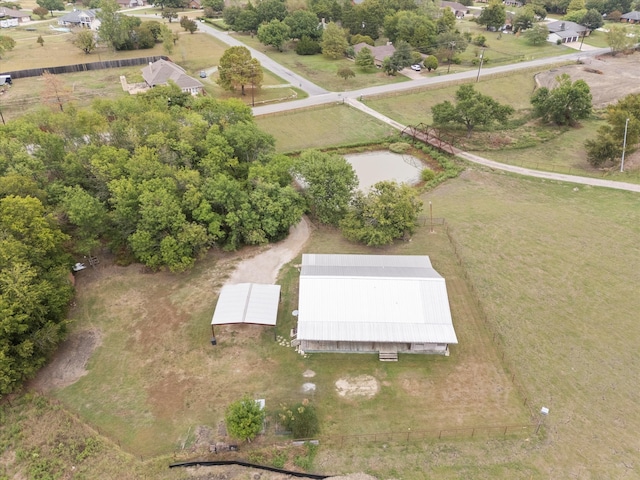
158,178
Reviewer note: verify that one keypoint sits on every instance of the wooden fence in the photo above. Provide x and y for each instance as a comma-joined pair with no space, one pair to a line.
83,67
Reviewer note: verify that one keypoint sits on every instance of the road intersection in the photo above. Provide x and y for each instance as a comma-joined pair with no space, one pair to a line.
319,96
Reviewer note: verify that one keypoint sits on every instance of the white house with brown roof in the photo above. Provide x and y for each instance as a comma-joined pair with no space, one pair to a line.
10,17
163,71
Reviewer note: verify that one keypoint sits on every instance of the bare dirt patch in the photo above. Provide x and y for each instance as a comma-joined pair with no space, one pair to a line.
609,78
69,363
361,386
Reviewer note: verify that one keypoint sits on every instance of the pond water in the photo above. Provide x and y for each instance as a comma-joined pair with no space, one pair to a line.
373,167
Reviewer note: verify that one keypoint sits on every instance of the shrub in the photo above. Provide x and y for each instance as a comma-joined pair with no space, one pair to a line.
399,147
301,419
480,40
244,419
355,39
427,175
306,46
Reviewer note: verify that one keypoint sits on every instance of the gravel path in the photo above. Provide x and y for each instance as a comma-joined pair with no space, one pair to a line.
264,267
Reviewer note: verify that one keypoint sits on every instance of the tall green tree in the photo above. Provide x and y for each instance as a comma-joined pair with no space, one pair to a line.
415,28
85,41
329,182
389,211
114,29
34,288
6,43
268,10
471,109
565,104
304,23
618,40
237,68
524,19
275,33
537,35
51,5
493,16
334,41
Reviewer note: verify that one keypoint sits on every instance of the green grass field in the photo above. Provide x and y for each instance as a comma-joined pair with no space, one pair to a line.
328,126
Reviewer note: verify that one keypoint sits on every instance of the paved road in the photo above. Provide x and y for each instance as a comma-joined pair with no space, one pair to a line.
320,96
332,97
561,177
271,65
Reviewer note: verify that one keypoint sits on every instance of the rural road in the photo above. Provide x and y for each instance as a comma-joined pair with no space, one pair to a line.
320,96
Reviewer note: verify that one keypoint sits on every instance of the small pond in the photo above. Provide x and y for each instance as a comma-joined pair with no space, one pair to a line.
373,167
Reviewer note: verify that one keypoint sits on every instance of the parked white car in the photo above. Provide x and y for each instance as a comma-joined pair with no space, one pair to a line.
416,67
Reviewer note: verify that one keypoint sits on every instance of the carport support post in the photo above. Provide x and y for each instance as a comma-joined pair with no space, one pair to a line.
213,335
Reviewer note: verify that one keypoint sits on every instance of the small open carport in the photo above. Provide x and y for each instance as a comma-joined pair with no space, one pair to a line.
251,303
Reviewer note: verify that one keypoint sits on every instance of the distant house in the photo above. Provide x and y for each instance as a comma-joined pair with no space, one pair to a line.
512,3
385,304
80,18
10,17
566,32
458,9
195,4
131,3
630,17
163,71
379,53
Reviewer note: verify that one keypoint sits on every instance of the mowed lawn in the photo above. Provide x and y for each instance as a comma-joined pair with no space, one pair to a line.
327,126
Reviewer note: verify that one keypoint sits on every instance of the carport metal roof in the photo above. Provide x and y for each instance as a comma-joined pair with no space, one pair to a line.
247,303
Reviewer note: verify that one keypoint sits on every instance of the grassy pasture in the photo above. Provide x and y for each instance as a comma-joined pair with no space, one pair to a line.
326,126
559,297
155,375
563,302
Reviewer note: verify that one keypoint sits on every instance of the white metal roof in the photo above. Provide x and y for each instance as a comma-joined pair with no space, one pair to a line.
373,298
247,303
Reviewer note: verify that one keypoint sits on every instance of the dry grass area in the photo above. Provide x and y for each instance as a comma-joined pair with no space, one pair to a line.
193,52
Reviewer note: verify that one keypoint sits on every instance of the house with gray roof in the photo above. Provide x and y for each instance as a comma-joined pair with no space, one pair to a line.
564,31
458,9
162,72
81,19
384,304
630,17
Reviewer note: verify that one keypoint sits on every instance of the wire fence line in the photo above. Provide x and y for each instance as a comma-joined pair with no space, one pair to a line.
495,336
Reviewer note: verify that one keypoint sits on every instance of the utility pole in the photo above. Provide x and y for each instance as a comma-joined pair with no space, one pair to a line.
451,47
624,144
480,67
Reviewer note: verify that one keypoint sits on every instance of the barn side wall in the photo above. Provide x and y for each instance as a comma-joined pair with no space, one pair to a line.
312,346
